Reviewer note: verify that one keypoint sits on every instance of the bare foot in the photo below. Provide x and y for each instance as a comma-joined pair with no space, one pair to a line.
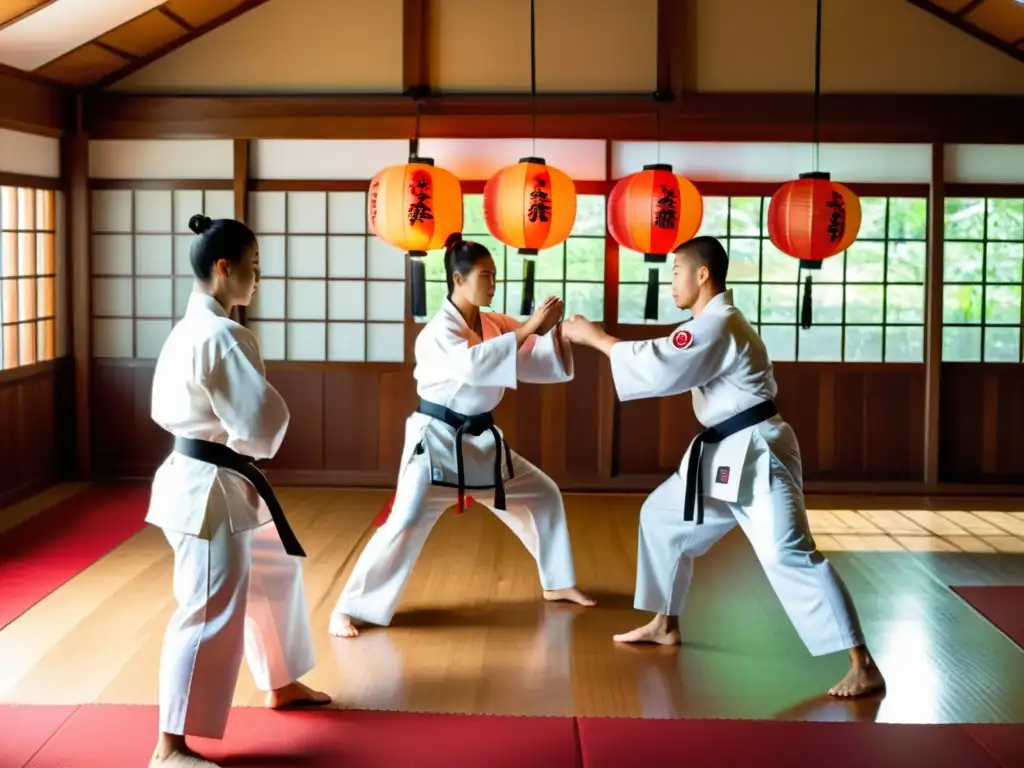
571,594
859,681
663,630
296,695
342,625
172,752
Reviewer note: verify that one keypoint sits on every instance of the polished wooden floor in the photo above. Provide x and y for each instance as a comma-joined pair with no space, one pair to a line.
473,636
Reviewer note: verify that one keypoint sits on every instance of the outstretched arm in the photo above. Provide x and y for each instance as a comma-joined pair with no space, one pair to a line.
688,358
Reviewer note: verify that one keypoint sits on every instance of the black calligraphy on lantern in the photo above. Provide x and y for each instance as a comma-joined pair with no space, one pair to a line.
665,212
419,208
540,202
373,201
837,220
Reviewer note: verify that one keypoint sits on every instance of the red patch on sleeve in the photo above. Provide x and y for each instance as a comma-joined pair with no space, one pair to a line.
682,339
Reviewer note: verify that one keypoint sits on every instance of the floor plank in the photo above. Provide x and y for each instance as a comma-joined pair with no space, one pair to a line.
473,636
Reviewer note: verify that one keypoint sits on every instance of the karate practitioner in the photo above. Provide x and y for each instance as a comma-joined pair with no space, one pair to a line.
465,360
237,580
744,469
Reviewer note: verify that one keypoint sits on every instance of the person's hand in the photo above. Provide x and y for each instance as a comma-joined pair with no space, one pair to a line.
547,315
579,330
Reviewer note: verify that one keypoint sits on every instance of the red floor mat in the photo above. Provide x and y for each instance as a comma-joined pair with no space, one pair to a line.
54,546
97,736
1004,743
24,730
123,737
616,743
1003,606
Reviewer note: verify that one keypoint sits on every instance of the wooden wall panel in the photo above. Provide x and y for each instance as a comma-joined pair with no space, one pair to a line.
982,423
125,440
36,411
855,423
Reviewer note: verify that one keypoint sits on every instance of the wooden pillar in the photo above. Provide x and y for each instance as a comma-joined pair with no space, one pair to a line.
677,48
933,317
606,397
241,189
415,48
75,169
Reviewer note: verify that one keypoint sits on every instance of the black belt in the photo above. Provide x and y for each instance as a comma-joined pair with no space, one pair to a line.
471,425
222,456
694,477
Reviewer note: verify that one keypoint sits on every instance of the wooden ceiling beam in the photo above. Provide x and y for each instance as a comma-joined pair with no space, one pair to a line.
699,117
32,103
167,12
129,57
957,20
25,14
142,61
970,6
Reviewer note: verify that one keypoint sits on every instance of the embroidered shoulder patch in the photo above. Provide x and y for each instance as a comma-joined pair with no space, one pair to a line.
722,475
682,339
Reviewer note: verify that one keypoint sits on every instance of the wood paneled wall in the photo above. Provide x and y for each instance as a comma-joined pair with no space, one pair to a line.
982,407
855,422
37,413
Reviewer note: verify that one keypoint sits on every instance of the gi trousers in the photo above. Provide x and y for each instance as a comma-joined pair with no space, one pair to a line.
535,515
238,594
811,592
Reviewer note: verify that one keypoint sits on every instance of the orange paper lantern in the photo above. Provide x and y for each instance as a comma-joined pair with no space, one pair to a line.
811,219
654,212
530,206
415,207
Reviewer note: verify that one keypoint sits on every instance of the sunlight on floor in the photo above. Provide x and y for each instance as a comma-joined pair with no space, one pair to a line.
917,530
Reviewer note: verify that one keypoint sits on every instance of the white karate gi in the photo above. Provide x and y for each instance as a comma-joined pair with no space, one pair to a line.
753,478
458,370
235,586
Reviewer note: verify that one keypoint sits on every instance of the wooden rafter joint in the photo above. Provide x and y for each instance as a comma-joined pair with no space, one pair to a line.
419,92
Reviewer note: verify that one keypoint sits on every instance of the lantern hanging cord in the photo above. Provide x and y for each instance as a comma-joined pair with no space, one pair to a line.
817,87
416,132
657,127
533,70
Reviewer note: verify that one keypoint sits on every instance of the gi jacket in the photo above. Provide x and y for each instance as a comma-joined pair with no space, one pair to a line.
459,370
210,383
723,362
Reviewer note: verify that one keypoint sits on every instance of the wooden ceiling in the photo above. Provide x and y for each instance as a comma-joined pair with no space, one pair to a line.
160,28
1000,23
131,45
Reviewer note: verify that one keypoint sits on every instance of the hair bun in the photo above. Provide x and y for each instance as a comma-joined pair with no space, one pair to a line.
453,240
199,223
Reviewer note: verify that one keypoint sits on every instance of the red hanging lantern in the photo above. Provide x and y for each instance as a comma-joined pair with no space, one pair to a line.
415,207
654,212
530,206
811,219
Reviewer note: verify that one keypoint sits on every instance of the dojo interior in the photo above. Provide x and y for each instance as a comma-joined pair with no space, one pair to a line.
120,120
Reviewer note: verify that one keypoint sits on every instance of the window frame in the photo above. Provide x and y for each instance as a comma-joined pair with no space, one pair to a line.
984,192
591,188
325,187
61,310
134,186
740,189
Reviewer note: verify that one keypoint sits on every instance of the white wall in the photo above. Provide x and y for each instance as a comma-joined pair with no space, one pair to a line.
29,154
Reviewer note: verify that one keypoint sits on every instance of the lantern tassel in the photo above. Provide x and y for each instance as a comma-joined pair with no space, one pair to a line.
805,310
419,288
529,272
651,302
